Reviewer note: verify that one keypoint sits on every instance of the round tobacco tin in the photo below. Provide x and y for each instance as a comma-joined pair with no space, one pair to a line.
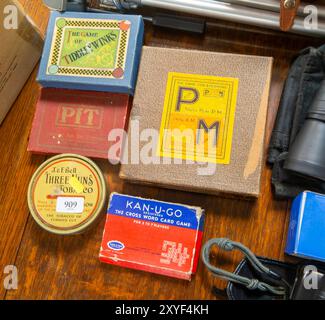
66,194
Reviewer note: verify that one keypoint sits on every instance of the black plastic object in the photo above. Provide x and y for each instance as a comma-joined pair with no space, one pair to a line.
307,153
238,292
170,21
193,25
76,5
66,5
309,284
297,276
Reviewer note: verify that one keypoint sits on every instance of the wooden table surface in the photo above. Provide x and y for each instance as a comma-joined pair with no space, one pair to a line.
54,267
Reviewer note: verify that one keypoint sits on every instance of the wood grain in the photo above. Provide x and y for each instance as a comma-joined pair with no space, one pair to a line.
53,267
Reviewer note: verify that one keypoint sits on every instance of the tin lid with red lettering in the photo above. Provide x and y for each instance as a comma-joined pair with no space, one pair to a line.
66,194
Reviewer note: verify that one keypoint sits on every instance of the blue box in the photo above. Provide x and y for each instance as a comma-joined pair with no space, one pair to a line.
306,236
92,51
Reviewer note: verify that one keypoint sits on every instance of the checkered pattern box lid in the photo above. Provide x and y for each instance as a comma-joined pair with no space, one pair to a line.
92,51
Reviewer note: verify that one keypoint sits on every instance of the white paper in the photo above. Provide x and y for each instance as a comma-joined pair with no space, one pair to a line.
70,204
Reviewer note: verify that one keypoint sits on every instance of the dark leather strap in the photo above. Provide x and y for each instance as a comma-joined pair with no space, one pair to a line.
288,11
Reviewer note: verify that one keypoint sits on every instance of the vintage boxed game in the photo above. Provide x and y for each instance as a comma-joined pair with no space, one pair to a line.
216,101
72,121
150,235
92,51
306,237
21,48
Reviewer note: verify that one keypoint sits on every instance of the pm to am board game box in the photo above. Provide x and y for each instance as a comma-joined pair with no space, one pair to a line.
92,51
76,121
154,236
215,105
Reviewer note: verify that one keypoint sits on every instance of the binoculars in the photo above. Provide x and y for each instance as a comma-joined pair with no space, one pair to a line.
307,152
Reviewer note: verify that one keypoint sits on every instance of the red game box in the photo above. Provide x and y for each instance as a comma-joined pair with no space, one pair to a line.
150,235
73,121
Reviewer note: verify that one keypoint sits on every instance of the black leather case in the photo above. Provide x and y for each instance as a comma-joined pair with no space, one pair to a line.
238,292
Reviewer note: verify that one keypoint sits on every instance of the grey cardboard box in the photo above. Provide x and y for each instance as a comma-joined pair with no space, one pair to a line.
242,175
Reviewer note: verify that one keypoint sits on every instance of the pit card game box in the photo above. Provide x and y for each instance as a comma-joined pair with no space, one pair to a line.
154,236
92,51
72,121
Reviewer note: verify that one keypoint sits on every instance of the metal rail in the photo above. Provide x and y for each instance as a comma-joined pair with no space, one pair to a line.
231,12
274,5
251,12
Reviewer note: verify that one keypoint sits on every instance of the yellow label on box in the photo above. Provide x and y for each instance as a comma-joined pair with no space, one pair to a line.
198,118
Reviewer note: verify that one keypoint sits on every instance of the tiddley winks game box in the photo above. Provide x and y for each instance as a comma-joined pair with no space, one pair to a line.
91,51
151,235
